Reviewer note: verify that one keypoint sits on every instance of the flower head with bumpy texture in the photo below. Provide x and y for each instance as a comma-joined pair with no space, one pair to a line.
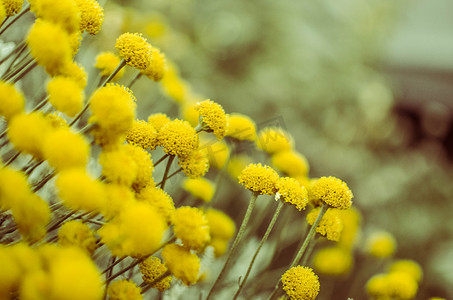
157,66
330,225
65,95
194,165
142,134
12,101
274,139
241,127
134,49
124,290
259,179
291,163
64,13
145,166
200,188
332,261
159,199
332,191
291,192
178,138
158,120
300,283
151,268
213,117
92,16
191,226
76,72
118,166
107,62
79,234
182,263
12,7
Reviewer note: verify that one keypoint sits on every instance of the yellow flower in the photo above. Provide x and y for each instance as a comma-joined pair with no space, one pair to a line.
13,188
380,244
76,72
178,138
27,132
151,268
213,117
351,219
188,111
49,45
142,134
157,66
237,163
75,39
241,127
217,151
159,199
2,18
145,166
291,163
10,273
158,120
79,191
12,7
76,233
221,229
182,263
194,165
107,63
92,16
332,261
395,285
134,50
64,149
274,139
330,225
300,283
332,191
407,266
137,231
124,290
64,13
118,197
259,179
12,101
200,188
118,166
191,227
291,192
65,95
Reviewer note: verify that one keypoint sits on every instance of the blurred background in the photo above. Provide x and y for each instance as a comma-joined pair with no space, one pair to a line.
365,88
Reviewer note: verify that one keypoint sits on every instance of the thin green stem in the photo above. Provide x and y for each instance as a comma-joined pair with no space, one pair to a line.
112,265
137,77
308,252
167,169
235,242
41,183
170,176
31,65
161,159
263,240
41,104
16,17
13,158
18,46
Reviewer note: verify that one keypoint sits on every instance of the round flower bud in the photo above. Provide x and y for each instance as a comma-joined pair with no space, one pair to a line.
259,179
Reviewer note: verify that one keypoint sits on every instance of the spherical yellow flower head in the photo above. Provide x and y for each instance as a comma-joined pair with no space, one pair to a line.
188,111
92,16
395,285
332,191
12,101
380,244
291,163
75,40
194,165
142,134
217,151
13,187
191,227
237,163
158,120
64,263
159,199
274,139
79,234
79,191
118,197
145,166
27,131
300,283
213,117
241,127
332,261
63,13
259,179
124,290
49,45
76,72
182,263
64,149
107,62
65,95
200,188
408,266
291,192
2,18
32,216
118,166
351,219
157,65
221,228
330,225
137,231
178,138
151,268
113,110
12,7
134,49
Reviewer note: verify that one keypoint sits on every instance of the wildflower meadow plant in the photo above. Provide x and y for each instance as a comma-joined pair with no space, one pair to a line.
87,208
